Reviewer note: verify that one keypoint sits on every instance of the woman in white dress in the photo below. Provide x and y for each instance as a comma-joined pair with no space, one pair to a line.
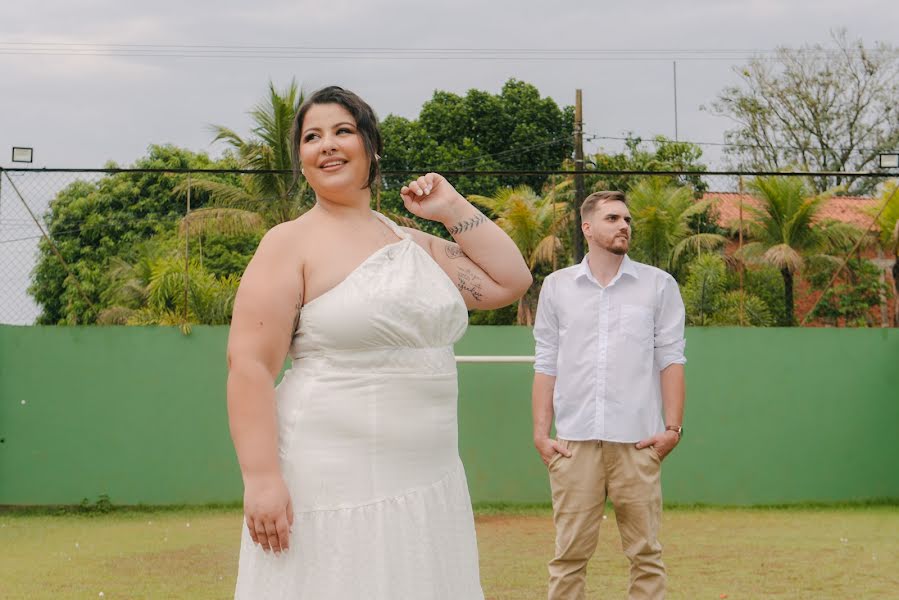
353,486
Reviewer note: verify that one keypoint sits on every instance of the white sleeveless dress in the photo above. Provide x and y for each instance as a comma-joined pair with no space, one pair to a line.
368,443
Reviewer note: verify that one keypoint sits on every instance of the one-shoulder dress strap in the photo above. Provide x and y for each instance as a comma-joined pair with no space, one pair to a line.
393,226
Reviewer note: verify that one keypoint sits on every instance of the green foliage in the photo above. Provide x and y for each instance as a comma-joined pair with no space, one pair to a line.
850,301
507,315
708,300
703,289
765,283
99,225
270,195
92,222
887,213
785,231
535,223
513,130
661,224
407,146
742,308
667,156
783,224
225,255
102,506
157,291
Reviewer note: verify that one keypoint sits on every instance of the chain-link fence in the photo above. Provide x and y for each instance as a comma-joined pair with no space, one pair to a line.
25,201
153,246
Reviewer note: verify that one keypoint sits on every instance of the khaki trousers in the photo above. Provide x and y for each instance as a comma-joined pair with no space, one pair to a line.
631,478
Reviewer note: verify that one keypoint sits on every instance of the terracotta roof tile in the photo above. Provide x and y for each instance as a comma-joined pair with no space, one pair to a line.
846,209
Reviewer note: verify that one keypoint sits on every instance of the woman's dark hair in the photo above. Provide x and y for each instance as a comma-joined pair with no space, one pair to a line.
366,125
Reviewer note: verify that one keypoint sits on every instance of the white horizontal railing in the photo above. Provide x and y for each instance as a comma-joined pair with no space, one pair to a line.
495,359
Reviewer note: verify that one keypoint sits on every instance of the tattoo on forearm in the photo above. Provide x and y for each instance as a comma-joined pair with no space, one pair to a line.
471,283
453,251
467,224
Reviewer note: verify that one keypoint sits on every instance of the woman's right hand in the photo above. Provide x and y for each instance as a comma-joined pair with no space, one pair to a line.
268,512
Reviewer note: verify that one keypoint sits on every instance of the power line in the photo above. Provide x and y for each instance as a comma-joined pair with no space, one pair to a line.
230,51
519,150
503,172
653,140
530,50
405,49
355,57
23,239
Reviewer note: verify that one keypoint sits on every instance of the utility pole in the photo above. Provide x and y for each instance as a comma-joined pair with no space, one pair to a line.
674,65
579,192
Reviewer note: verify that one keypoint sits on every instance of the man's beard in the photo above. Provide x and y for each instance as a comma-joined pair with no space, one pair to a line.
615,248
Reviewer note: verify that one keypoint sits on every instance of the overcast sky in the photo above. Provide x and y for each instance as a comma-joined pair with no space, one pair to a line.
82,111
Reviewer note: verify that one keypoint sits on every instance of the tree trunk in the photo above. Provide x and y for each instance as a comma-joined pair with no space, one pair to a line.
789,317
524,316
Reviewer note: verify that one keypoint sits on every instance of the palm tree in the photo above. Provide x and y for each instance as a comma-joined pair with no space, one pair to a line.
661,215
708,301
786,230
887,215
536,224
271,195
153,291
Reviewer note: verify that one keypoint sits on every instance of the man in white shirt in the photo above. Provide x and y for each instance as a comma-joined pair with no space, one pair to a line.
609,366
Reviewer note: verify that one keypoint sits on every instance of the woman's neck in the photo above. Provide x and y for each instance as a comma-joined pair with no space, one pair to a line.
356,207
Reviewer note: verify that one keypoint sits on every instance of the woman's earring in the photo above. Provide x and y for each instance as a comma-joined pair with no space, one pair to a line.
302,172
377,157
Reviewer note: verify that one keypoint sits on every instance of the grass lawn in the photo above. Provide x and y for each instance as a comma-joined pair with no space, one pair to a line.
191,554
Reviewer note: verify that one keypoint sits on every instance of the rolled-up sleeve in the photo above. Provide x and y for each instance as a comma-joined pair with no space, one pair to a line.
669,326
546,331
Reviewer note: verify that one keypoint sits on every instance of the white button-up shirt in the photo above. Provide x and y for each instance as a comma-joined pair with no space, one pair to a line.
606,346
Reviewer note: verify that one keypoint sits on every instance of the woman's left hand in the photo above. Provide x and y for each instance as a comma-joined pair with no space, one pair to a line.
432,197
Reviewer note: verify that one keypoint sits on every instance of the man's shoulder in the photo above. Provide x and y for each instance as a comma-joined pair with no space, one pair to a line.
565,273
652,272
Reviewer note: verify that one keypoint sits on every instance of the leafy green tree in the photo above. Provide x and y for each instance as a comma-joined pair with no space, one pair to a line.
536,225
851,299
271,195
817,108
225,254
668,155
709,302
744,309
147,283
513,130
785,229
703,289
662,234
156,291
762,281
507,315
407,146
92,222
887,213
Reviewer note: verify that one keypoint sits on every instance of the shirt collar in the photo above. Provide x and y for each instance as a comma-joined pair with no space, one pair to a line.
627,268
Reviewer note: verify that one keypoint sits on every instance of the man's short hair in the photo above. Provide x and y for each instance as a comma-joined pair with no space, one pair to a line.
592,201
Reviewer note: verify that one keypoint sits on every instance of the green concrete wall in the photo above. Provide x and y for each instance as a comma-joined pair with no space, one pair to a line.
138,414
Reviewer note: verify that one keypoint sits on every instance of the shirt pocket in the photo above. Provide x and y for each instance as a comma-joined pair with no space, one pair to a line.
637,323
